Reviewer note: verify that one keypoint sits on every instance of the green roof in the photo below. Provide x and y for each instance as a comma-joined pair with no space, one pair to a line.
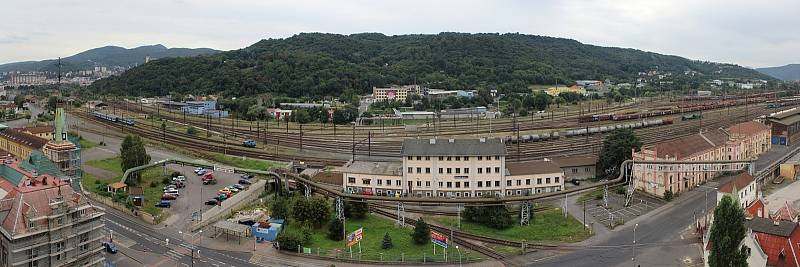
10,174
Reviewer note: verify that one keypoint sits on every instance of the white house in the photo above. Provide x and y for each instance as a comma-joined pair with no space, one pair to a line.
742,187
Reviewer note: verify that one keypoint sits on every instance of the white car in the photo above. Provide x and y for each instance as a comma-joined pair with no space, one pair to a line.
233,189
171,191
179,178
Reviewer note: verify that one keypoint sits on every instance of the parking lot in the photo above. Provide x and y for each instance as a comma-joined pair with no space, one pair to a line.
191,202
616,213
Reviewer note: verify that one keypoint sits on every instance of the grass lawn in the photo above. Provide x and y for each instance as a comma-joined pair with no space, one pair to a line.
246,163
86,144
374,229
110,164
548,225
152,195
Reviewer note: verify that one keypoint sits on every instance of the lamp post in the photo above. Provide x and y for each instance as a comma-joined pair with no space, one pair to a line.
192,237
634,244
459,256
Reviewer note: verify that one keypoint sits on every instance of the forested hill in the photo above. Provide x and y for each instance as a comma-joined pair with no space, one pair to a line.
789,72
107,56
315,64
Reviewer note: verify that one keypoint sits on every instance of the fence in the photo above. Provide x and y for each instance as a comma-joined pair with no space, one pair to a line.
221,211
373,257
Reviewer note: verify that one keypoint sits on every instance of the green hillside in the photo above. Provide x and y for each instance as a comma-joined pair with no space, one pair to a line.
315,64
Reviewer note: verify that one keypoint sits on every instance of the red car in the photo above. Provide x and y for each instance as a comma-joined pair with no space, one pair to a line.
169,197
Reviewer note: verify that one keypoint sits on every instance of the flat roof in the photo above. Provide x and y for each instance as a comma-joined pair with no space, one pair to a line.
372,167
454,147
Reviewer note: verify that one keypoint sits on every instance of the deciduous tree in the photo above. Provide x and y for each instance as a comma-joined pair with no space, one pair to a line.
617,147
726,235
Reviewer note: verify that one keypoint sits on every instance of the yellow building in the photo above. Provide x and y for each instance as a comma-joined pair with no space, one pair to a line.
555,91
44,132
20,144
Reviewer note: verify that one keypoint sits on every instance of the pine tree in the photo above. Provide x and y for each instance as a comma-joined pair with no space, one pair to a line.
727,233
421,234
387,241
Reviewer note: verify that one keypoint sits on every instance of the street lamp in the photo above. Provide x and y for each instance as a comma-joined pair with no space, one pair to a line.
192,237
459,256
634,242
705,209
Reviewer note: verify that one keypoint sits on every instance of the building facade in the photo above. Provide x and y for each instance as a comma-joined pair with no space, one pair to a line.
452,168
46,223
20,144
741,141
580,167
395,93
785,126
743,188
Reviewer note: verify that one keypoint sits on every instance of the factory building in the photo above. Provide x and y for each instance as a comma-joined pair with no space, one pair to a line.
785,126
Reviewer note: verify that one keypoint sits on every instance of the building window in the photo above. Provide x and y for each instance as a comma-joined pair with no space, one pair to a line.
458,184
365,181
488,170
497,183
388,182
466,184
458,170
480,183
419,169
441,158
380,182
419,157
410,157
547,180
496,157
508,182
480,170
441,184
519,182
458,158
427,170
466,158
449,158
466,170
449,184
466,194
527,181
427,158
557,180
427,183
410,170
496,169
449,170
351,180
480,157
397,182
587,169
441,170
419,183
538,180
574,170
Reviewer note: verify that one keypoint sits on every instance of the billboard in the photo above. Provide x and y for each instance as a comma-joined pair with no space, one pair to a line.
439,239
355,237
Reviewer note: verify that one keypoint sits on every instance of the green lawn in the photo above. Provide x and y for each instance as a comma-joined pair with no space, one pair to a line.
86,144
374,229
246,163
152,195
110,164
548,225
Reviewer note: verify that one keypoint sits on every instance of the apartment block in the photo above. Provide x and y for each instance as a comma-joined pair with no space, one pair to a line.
395,93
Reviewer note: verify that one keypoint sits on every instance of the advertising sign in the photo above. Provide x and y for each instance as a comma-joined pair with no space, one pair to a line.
439,239
355,237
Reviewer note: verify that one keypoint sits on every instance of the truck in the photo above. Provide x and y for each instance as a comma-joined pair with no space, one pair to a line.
249,143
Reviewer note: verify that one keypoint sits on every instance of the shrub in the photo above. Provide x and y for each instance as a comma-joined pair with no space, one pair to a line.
165,181
314,211
356,210
191,130
421,234
290,240
278,208
387,241
496,216
668,195
335,230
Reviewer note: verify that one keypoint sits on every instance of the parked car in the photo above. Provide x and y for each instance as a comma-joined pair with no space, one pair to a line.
180,178
221,197
169,197
201,171
238,186
110,247
225,190
164,204
246,176
576,182
245,182
172,191
178,184
170,187
233,189
212,202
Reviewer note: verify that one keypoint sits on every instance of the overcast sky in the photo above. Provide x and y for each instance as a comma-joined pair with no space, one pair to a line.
749,33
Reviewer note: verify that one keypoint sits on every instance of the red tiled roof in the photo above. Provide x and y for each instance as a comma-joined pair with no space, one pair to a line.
687,146
786,213
748,128
37,129
779,250
23,138
740,181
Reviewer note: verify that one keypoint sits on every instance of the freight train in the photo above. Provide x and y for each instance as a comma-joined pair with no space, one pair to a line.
114,118
678,109
585,131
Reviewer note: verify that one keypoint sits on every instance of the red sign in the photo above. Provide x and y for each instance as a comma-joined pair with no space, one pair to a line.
439,239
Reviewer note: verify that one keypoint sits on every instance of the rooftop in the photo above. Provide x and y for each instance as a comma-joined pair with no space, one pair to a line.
748,128
455,147
532,167
768,226
37,129
23,138
370,167
740,181
687,146
576,161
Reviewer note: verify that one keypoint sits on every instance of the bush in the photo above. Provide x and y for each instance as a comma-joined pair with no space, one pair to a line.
166,180
175,174
153,184
421,234
335,230
356,210
496,216
278,208
668,195
387,241
191,130
314,211
290,240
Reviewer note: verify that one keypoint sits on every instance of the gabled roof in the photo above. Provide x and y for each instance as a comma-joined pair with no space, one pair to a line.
786,213
37,129
748,128
454,147
740,181
687,146
532,167
25,139
769,226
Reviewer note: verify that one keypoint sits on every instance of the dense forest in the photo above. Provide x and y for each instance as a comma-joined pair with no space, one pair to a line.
315,65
